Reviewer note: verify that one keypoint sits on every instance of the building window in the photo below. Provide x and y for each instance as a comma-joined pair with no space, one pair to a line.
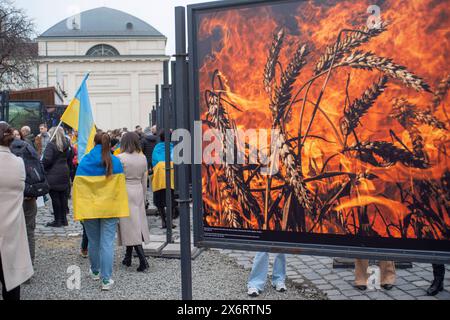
102,50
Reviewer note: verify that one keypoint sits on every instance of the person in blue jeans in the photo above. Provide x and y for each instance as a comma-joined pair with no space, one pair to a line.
101,234
258,276
100,199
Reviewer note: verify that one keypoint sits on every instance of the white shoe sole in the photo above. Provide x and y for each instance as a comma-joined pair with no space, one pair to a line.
94,277
254,294
280,290
108,287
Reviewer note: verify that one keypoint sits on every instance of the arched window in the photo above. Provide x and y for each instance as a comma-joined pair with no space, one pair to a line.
102,50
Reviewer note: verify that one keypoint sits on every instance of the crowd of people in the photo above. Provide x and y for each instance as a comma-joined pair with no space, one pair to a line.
47,164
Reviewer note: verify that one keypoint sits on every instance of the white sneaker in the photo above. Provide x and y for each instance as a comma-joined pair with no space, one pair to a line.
280,287
253,292
107,285
94,275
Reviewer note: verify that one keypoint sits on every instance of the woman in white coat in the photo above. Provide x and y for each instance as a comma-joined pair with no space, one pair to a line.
133,231
15,260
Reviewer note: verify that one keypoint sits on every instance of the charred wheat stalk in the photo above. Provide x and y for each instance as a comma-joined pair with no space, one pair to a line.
361,106
230,211
407,114
274,54
370,61
294,173
233,175
279,103
426,117
351,41
388,153
283,92
440,93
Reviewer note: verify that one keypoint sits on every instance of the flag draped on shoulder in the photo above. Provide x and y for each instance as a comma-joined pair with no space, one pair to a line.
96,196
78,115
159,167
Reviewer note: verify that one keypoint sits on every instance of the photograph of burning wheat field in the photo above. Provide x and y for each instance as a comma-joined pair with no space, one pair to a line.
358,93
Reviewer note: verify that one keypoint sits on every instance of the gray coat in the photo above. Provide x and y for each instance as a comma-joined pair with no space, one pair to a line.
134,230
16,260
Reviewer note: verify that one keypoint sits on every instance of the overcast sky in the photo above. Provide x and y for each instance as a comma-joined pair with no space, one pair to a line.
158,13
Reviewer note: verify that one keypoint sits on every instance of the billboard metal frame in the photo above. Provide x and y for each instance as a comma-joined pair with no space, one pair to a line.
257,245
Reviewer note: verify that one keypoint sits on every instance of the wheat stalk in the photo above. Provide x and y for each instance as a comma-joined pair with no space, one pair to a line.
231,212
406,112
440,93
426,117
274,54
370,61
294,175
361,106
283,92
279,103
351,41
233,174
389,154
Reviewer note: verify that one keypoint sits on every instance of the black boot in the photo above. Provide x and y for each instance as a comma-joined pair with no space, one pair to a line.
58,222
162,214
127,260
436,287
143,263
54,224
65,223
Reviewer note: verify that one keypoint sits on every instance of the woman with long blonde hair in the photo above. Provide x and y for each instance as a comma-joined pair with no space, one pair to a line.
56,162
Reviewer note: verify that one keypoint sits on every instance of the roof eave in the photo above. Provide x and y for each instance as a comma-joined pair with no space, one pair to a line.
103,59
101,37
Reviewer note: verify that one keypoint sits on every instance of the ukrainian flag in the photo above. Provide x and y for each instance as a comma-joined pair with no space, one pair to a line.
78,115
159,167
96,196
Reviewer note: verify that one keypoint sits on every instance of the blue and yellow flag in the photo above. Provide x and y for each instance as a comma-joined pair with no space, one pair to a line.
78,115
159,167
96,196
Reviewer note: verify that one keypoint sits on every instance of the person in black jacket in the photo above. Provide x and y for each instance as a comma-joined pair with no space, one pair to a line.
56,161
148,143
27,135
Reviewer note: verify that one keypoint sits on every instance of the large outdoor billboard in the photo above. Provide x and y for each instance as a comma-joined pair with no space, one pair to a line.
339,110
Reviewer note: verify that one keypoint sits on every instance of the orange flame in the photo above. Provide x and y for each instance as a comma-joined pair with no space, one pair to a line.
237,41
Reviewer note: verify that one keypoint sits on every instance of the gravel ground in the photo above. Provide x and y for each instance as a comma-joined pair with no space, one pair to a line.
215,276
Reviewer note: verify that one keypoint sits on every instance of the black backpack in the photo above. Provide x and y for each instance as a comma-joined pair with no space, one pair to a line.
35,182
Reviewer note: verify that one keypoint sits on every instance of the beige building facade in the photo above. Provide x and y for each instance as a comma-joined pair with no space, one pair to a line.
124,56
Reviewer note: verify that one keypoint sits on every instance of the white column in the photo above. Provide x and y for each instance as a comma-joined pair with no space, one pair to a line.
135,109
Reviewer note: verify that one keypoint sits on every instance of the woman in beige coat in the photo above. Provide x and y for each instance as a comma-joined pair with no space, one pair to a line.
133,231
15,259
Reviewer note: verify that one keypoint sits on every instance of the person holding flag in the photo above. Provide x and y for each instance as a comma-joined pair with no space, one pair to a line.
99,190
78,115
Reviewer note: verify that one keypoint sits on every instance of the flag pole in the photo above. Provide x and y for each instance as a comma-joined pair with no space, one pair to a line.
60,122
51,138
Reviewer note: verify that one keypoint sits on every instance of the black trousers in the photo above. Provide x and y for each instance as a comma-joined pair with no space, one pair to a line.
85,240
439,271
60,202
14,294
30,211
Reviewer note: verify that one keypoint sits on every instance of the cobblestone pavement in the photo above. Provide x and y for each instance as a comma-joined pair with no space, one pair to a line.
215,276
314,276
337,284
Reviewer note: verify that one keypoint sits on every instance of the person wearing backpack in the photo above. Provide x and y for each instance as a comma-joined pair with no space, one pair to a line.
35,186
